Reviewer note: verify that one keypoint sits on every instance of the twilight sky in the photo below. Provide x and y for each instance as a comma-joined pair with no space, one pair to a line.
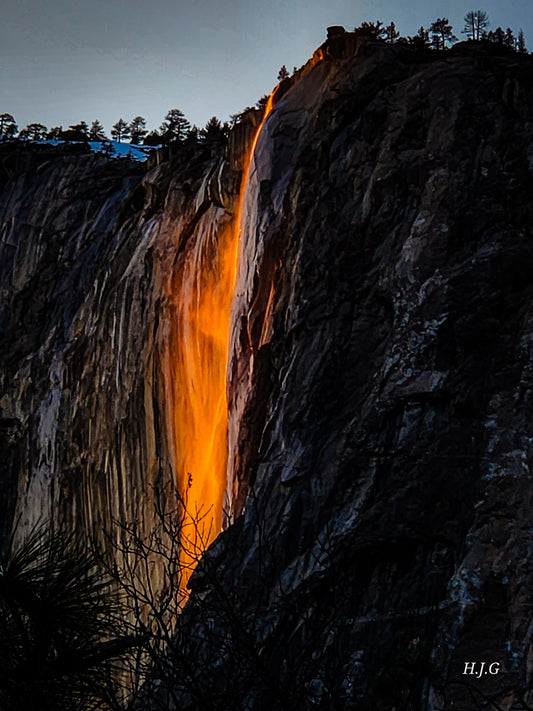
63,61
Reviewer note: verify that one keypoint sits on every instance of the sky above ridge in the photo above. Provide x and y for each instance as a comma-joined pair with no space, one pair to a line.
64,61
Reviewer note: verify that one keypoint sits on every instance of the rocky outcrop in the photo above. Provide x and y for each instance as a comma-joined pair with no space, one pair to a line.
379,386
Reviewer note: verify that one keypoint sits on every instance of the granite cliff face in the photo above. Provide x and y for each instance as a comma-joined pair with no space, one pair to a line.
379,383
92,257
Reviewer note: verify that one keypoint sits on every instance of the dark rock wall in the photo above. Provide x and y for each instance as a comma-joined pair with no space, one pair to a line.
61,218
382,437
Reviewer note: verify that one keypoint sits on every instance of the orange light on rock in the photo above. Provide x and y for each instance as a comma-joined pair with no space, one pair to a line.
205,292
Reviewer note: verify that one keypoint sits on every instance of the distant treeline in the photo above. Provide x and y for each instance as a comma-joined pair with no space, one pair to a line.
440,33
176,127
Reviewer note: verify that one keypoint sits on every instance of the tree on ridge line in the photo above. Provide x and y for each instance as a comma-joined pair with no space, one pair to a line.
441,32
476,21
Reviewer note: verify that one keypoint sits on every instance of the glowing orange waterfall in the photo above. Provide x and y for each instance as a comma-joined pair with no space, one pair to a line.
205,291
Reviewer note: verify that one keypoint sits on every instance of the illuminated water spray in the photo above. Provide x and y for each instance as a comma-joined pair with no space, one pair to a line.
202,340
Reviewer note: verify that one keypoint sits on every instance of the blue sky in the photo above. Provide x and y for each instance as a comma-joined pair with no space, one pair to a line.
64,61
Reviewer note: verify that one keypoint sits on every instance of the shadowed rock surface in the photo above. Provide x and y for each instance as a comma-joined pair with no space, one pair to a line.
380,384
382,437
